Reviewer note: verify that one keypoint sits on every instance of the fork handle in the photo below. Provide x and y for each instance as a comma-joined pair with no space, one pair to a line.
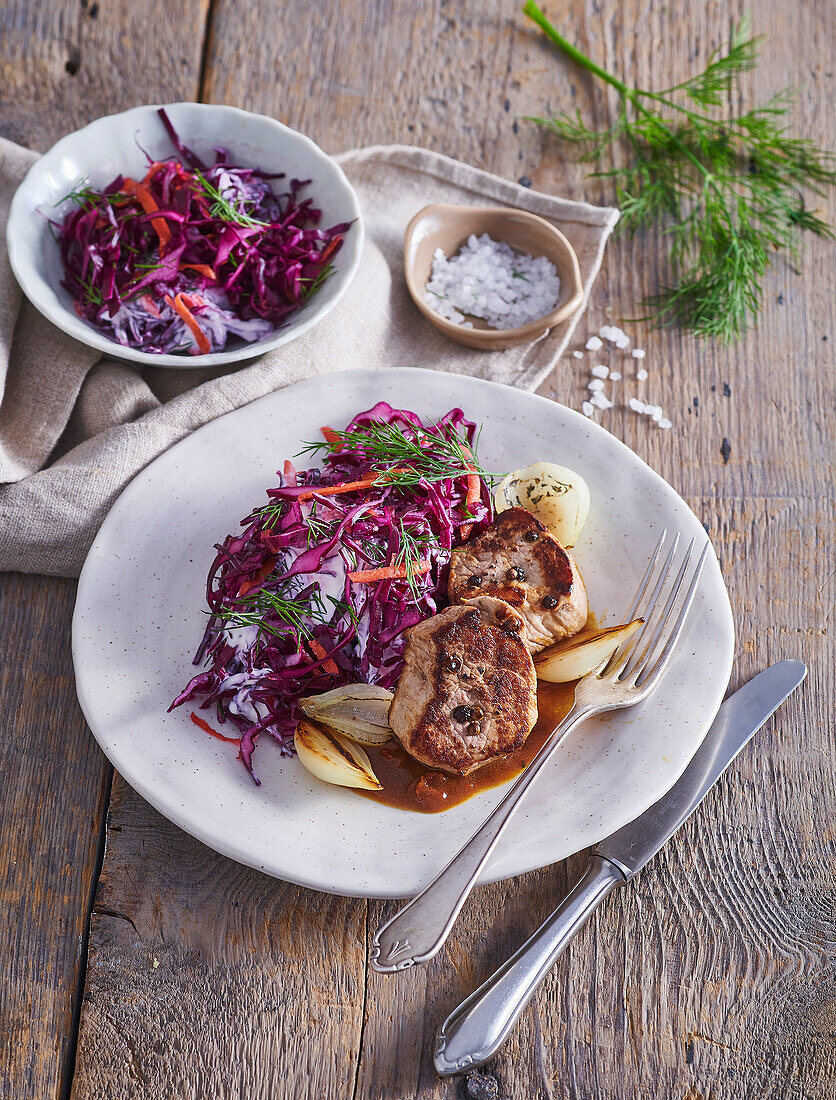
418,930
475,1031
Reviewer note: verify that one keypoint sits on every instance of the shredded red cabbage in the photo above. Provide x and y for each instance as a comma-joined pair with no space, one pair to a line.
193,255
287,620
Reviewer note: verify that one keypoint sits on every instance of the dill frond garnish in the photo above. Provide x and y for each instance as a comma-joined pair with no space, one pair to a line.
285,610
405,457
727,189
222,208
413,548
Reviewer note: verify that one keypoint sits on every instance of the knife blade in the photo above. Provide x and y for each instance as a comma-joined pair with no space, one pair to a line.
737,721
475,1031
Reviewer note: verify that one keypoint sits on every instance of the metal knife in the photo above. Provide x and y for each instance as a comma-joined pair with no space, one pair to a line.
476,1030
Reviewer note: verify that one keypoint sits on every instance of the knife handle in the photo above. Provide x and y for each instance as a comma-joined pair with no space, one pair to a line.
476,1030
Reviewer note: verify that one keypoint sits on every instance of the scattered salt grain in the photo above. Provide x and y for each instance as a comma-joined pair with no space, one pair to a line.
623,342
578,354
637,353
595,385
615,375
491,280
600,371
665,423
588,408
594,344
601,401
636,405
657,414
641,374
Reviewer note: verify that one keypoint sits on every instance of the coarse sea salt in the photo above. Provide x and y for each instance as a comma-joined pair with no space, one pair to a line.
594,343
600,371
638,353
588,408
577,354
492,281
641,374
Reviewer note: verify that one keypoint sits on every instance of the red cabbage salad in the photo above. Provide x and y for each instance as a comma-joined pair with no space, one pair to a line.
322,581
193,254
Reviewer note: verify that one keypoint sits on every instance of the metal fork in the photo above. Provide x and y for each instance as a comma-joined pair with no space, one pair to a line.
418,930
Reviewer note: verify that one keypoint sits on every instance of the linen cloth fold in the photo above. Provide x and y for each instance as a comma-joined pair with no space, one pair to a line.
75,428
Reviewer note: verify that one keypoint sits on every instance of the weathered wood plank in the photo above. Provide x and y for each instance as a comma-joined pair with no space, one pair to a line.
53,787
61,65
64,63
209,979
712,976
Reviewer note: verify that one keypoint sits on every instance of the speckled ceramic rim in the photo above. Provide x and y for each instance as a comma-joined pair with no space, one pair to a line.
32,251
138,619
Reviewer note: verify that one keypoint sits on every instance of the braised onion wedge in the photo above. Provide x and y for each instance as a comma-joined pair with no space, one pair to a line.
557,496
333,758
576,656
358,711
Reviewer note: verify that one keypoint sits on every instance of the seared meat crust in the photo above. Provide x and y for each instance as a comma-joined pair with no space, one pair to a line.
468,691
519,561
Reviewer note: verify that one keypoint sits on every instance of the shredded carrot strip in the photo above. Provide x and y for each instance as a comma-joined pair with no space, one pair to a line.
320,651
208,729
347,486
152,171
330,435
262,575
149,205
150,305
202,269
389,572
180,306
474,492
328,250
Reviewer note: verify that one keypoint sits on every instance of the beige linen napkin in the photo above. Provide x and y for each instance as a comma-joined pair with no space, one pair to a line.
75,429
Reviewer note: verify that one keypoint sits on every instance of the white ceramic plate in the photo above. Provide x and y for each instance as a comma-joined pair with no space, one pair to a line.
139,618
118,144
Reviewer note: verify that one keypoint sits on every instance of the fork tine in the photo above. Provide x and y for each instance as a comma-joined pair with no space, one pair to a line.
632,644
654,633
652,675
643,583
631,614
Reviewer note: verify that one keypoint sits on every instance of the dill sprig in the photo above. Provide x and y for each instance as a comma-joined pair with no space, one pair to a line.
222,208
311,286
407,456
727,189
413,548
285,610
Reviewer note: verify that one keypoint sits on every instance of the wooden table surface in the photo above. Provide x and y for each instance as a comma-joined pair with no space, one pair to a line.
136,963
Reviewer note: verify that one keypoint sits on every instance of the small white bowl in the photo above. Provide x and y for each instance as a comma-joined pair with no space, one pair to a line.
119,144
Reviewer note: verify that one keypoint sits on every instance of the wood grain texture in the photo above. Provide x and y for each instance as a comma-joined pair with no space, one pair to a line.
198,959
64,63
53,787
712,976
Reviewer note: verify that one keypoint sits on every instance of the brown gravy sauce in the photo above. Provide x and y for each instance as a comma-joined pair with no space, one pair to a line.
410,785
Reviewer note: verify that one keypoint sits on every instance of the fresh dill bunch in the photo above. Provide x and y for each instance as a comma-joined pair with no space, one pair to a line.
728,190
406,457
